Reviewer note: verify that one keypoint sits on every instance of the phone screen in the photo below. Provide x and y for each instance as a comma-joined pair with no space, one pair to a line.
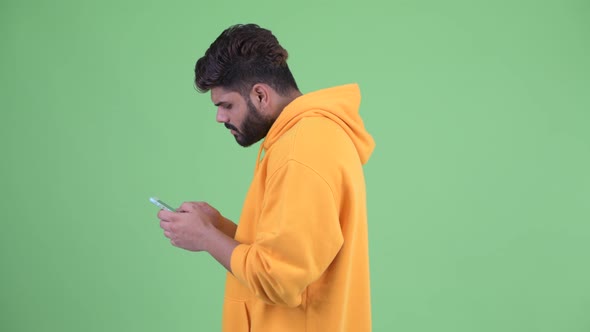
161,204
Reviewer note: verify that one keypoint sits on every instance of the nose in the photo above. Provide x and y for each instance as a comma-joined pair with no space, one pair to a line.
221,116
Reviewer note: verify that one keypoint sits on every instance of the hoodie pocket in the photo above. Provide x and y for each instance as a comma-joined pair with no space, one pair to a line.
235,316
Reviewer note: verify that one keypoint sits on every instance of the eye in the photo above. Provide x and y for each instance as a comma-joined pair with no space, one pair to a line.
228,107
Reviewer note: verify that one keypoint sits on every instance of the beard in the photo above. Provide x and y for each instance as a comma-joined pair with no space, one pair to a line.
254,128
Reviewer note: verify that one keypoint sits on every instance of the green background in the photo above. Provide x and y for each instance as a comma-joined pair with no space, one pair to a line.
478,190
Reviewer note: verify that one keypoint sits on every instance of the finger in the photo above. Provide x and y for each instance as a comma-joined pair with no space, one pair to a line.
166,215
168,234
165,225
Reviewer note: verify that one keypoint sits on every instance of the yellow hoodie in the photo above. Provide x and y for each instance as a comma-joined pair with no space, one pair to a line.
303,264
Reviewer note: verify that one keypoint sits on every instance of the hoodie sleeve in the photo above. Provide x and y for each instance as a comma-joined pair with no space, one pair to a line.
298,236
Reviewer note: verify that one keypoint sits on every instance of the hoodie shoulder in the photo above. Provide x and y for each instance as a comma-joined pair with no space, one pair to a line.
340,105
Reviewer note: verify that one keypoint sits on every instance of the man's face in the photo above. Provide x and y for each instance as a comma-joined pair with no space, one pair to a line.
246,122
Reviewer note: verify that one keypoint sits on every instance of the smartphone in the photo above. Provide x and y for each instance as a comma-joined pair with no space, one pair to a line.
161,204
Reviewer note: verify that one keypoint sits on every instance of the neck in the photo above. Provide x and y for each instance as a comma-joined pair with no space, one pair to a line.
283,101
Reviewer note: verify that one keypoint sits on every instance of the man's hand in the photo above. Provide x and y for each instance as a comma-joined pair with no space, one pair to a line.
190,227
197,226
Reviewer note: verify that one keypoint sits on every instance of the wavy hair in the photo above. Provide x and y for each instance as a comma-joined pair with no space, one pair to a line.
244,55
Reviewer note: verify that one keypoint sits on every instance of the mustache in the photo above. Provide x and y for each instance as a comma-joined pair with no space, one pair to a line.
229,126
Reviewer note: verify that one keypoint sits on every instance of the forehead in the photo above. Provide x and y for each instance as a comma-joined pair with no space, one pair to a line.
221,95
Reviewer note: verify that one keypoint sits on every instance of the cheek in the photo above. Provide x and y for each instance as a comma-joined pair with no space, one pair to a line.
240,118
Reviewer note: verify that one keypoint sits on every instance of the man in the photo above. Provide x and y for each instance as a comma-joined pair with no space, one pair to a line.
298,259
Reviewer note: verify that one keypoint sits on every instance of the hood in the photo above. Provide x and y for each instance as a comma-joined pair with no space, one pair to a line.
339,104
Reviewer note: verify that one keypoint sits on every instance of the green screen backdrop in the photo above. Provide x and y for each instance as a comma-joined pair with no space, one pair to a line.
478,190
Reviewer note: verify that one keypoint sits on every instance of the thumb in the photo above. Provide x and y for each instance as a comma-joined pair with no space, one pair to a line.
186,207
208,208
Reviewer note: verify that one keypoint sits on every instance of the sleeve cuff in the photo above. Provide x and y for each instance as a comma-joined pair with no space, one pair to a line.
238,260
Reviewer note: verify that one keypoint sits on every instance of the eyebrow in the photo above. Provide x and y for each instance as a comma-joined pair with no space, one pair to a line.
224,103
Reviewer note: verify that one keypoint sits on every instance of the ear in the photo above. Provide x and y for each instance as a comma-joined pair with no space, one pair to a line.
261,95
